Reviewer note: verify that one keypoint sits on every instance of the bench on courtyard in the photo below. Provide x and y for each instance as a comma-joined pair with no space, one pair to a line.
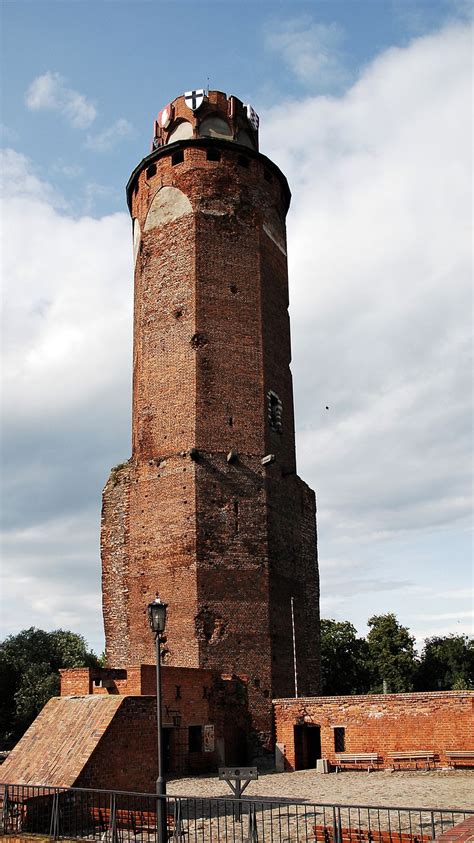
325,834
136,820
367,759
413,756
459,755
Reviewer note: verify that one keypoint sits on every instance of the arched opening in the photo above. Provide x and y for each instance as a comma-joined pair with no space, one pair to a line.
182,131
215,127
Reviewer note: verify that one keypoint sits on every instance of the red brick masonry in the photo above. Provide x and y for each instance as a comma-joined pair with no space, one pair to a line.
194,515
461,833
381,723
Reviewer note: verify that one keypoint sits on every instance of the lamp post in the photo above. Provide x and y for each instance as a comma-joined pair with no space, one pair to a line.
157,619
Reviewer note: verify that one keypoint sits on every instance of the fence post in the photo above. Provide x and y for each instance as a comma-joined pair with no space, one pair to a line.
5,810
336,825
54,823
252,830
433,827
113,834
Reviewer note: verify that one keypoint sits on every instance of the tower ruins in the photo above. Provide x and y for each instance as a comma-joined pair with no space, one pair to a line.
209,511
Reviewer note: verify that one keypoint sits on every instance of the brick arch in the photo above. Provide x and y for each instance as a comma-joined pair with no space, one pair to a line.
169,204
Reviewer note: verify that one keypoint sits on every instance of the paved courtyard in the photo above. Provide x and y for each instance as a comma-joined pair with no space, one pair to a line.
452,789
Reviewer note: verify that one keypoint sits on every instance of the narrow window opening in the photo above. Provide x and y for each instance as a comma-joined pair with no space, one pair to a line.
177,695
242,161
97,683
151,171
213,155
233,289
177,157
339,739
275,412
195,738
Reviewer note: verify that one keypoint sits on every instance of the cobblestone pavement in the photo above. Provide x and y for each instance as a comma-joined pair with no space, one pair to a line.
440,789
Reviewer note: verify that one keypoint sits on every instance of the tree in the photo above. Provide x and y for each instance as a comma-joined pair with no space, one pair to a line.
29,675
344,659
392,654
447,664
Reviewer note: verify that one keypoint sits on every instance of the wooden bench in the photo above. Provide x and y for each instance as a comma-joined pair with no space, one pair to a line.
414,755
368,759
454,755
137,821
325,834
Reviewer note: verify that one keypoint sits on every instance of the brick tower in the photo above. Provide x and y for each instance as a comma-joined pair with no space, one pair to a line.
209,511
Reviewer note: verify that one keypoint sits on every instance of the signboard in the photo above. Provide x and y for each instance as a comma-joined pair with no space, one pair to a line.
208,738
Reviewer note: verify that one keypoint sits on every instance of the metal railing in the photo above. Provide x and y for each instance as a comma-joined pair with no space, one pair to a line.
121,817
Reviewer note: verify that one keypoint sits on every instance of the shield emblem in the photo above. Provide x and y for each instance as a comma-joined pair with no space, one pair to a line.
194,99
252,117
165,116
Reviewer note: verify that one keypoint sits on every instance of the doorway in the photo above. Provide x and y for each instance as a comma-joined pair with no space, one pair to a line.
307,746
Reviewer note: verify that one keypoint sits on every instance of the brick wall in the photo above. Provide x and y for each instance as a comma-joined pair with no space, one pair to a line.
197,697
382,723
226,544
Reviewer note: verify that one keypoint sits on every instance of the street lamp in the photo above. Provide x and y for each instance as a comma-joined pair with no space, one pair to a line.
157,620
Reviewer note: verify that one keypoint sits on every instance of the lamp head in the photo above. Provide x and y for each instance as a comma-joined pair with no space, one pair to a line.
157,615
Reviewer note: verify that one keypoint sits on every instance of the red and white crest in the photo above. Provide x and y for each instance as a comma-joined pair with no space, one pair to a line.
252,117
165,116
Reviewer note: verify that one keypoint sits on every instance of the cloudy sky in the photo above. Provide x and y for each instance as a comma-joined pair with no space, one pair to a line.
366,106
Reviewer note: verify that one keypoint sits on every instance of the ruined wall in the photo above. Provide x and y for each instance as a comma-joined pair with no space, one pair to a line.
381,723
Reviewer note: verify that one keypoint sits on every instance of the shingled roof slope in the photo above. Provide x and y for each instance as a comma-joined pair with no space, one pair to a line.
60,741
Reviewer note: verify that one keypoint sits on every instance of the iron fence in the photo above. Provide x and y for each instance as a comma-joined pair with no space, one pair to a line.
120,817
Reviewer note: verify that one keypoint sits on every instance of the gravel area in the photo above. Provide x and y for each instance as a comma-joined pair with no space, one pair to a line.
437,788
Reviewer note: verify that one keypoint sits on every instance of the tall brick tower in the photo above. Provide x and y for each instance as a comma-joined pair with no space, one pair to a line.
209,511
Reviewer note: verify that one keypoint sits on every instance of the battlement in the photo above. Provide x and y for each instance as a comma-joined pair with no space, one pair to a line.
206,114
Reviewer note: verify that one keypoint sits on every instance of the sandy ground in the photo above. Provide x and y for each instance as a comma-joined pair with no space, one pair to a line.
433,789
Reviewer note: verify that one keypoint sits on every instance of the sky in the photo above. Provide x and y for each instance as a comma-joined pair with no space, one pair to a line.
366,107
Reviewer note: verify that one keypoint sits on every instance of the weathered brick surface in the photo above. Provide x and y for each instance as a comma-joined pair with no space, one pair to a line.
460,833
225,544
385,723
59,743
198,696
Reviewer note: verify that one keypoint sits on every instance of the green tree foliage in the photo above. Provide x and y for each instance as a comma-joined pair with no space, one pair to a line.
344,659
387,661
447,664
392,655
29,675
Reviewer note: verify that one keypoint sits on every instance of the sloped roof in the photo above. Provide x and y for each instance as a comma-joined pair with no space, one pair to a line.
60,741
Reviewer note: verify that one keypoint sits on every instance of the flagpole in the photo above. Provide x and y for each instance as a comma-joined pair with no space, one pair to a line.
294,644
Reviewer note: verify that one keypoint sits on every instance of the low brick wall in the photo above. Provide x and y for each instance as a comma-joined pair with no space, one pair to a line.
381,723
461,833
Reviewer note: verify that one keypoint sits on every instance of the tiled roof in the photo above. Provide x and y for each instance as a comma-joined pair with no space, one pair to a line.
60,741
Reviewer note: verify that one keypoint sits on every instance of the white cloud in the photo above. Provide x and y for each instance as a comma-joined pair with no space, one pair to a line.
380,273
312,51
109,138
50,92
66,392
380,292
